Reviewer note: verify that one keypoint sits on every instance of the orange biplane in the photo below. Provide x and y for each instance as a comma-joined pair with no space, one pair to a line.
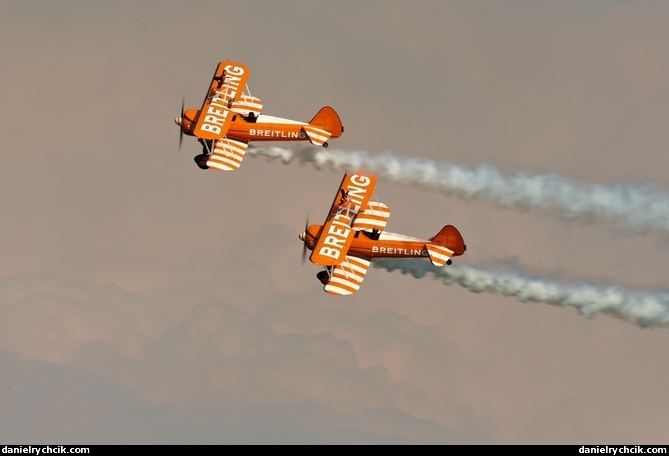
353,235
230,118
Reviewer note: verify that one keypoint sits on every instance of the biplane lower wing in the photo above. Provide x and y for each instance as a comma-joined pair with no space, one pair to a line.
346,277
226,87
337,234
227,154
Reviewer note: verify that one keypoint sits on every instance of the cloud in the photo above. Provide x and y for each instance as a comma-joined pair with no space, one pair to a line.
278,368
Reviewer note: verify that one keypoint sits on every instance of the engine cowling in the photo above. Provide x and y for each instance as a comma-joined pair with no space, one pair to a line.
187,121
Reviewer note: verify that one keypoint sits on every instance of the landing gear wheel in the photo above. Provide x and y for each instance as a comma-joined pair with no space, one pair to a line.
324,277
201,161
325,145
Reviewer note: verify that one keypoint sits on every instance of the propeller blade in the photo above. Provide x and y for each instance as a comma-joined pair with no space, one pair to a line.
181,131
304,245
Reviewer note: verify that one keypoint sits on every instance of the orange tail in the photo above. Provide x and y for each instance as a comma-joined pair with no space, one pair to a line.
328,120
450,237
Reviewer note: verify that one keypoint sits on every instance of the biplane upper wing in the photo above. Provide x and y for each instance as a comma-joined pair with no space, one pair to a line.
226,87
346,277
337,233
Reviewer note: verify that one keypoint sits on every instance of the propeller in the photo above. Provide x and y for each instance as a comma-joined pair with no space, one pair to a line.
304,245
181,116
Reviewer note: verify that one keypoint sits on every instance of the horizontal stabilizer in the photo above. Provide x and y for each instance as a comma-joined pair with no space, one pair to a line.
438,255
317,136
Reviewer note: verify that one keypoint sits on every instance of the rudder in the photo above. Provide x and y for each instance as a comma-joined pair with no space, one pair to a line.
327,119
450,237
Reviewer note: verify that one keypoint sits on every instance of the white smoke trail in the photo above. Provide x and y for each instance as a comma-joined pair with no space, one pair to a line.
645,308
638,208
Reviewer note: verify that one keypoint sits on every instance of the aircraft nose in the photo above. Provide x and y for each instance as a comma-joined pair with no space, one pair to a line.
178,121
302,235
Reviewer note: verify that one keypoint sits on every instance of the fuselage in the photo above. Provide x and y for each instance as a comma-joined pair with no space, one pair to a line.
384,245
266,128
262,128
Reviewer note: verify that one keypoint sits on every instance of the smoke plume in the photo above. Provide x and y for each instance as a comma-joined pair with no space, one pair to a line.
646,308
630,207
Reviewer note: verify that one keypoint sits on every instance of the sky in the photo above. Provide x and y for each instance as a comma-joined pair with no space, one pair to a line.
145,301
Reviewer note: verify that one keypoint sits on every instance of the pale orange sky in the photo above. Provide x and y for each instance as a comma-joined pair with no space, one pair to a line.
143,300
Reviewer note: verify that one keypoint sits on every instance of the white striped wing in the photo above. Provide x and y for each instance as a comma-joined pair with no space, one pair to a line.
246,104
227,154
347,276
375,216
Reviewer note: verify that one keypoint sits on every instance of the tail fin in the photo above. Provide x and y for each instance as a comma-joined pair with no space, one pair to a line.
447,243
450,237
328,120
